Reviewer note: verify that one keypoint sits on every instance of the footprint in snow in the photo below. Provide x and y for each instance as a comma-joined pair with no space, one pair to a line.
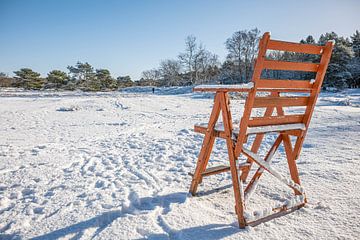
27,192
38,210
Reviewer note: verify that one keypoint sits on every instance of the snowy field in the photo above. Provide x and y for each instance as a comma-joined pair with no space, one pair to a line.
115,166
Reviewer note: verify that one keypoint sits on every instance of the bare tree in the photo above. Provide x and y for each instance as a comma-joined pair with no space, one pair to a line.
234,45
251,49
152,74
243,47
197,60
170,71
208,63
188,57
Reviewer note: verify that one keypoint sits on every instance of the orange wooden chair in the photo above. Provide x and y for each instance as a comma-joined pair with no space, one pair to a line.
275,120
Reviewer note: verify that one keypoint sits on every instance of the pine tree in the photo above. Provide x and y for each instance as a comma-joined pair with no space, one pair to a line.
104,78
338,74
29,79
354,65
57,78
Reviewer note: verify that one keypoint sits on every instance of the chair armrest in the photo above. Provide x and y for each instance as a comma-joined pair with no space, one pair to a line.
224,88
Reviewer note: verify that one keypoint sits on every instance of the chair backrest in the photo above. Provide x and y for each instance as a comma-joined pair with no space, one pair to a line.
308,88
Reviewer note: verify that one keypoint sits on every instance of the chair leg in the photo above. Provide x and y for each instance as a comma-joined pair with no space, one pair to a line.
201,164
207,156
236,182
237,186
207,145
290,155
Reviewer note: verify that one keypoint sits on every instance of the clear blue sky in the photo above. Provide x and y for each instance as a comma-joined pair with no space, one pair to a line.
130,36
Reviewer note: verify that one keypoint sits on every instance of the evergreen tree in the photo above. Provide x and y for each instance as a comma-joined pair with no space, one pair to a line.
125,81
338,74
81,72
57,77
29,79
308,40
354,65
104,78
303,57
84,76
355,43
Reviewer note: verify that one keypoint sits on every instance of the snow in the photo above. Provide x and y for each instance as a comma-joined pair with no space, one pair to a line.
116,168
249,85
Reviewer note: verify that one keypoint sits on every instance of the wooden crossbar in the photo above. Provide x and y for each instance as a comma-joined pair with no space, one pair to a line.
261,102
294,47
290,129
215,133
266,165
275,83
275,120
250,188
290,66
285,90
276,213
214,170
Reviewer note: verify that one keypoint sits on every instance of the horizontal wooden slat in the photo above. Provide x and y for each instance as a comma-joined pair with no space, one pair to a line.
254,130
277,212
219,169
261,102
215,170
275,120
276,128
294,47
297,90
290,66
274,83
202,129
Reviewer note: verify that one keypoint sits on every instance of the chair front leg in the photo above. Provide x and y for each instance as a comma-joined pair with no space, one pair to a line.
206,147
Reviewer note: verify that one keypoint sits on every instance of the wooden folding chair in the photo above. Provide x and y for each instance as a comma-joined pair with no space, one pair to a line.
275,120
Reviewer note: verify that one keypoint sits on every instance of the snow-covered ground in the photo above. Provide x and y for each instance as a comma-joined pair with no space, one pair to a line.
115,166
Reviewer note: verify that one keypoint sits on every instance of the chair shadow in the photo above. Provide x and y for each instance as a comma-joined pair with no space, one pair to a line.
102,221
14,236
214,190
140,206
99,222
208,232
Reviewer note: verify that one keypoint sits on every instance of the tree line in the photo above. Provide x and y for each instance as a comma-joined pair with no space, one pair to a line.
198,65
80,76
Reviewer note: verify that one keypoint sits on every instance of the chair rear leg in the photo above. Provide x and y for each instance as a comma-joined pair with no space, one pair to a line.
290,155
238,191
236,182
